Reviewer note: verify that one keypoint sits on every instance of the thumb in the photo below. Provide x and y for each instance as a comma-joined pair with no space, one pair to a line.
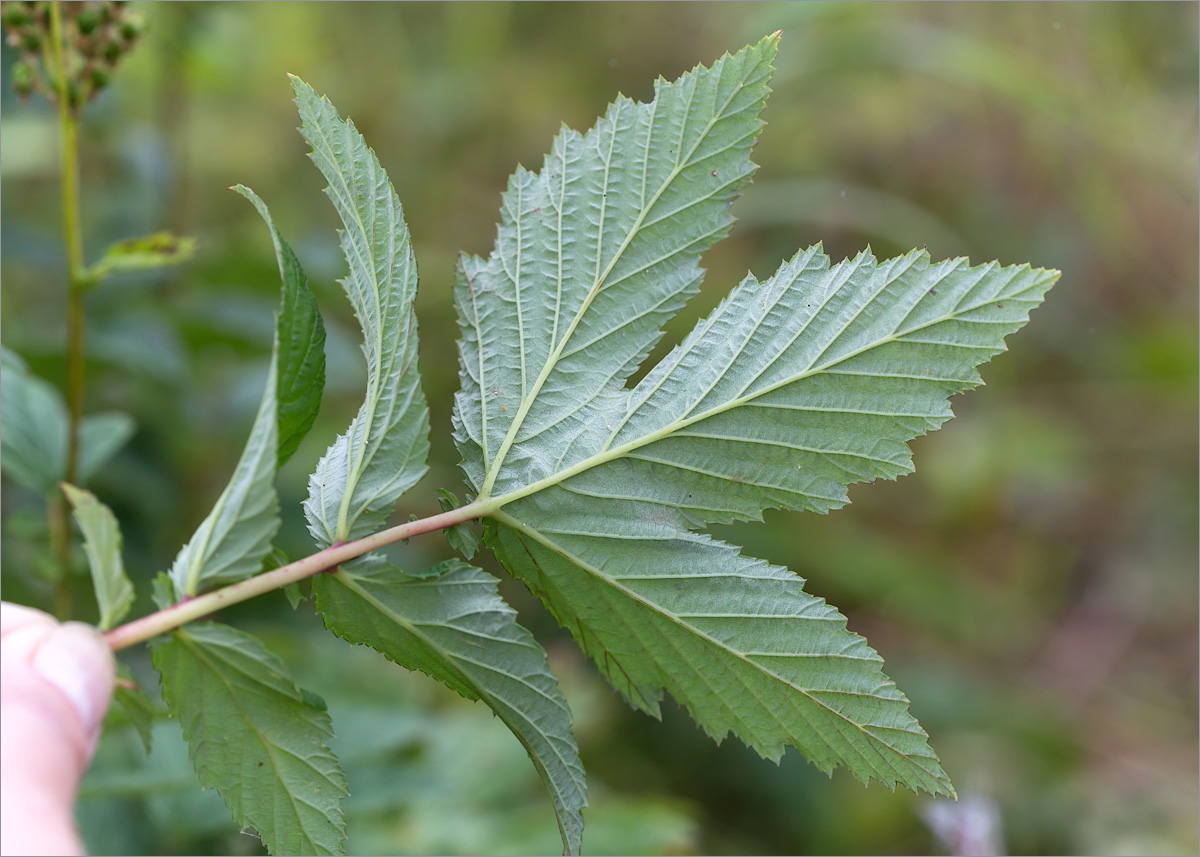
56,681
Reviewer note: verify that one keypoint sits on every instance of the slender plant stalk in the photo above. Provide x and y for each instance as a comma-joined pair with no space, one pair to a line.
60,533
58,521
190,609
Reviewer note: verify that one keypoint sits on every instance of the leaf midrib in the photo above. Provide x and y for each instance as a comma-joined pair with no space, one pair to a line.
347,579
357,457
555,355
612,454
202,555
597,573
268,745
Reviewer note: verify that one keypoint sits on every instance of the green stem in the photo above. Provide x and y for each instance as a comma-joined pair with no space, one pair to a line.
76,284
60,553
191,609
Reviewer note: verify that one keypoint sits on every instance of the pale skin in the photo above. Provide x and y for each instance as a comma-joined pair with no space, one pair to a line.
57,681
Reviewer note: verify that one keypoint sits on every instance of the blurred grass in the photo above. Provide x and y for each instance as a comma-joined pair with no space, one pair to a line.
1032,588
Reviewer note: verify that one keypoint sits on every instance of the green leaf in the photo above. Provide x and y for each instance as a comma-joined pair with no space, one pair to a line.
142,254
33,427
454,626
233,540
33,431
301,336
162,591
295,595
132,699
384,451
460,536
102,544
463,539
101,436
230,544
592,255
735,640
789,391
276,558
255,737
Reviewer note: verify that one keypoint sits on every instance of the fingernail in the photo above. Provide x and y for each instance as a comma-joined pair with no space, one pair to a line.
76,660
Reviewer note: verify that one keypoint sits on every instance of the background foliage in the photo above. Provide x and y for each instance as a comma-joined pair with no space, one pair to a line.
1032,587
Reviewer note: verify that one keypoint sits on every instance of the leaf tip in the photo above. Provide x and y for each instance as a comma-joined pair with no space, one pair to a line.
769,45
301,87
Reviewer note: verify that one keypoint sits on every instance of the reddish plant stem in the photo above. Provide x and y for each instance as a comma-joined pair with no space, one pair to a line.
188,610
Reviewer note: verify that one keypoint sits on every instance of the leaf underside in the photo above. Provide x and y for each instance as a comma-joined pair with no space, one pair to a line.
453,626
596,490
102,544
255,737
252,734
792,389
384,451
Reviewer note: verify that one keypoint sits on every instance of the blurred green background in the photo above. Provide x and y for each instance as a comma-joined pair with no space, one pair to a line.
1032,588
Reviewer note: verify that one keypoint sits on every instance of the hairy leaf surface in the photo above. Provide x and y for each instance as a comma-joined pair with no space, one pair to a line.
384,451
592,255
735,640
255,737
792,389
102,544
453,625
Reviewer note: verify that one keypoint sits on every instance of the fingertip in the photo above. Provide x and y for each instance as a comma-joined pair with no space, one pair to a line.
76,660
13,617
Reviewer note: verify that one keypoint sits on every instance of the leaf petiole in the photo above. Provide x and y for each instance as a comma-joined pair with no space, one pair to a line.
188,610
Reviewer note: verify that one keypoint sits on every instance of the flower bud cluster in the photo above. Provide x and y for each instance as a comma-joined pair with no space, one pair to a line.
96,35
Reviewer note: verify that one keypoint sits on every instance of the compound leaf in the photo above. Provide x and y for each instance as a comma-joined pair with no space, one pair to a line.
384,451
453,625
592,255
102,544
792,389
255,737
